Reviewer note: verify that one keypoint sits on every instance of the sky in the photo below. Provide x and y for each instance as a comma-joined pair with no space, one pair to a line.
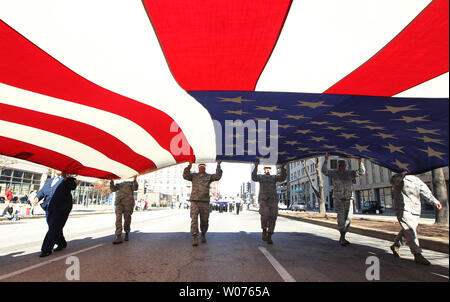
234,174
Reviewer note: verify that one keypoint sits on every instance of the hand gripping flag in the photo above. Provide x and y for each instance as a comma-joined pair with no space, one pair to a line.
111,89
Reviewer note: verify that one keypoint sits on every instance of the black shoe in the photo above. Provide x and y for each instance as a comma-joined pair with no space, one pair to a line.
59,248
45,254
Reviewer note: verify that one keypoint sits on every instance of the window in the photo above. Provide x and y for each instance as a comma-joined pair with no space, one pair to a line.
333,164
18,174
386,197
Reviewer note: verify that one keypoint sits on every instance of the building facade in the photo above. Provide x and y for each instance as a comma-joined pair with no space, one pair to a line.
374,185
300,187
170,182
23,177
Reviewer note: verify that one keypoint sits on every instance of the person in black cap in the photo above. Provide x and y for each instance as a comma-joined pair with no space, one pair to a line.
342,193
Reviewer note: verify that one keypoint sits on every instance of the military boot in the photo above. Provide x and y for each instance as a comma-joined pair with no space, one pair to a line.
126,237
118,239
195,240
421,259
203,238
269,238
264,235
395,250
342,240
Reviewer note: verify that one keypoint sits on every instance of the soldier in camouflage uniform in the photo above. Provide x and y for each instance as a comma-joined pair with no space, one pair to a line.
268,199
201,182
343,193
124,206
408,189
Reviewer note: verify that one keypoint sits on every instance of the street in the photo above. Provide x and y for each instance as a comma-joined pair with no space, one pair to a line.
160,250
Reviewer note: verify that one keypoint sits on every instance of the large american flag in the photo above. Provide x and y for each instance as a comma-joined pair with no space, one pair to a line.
103,88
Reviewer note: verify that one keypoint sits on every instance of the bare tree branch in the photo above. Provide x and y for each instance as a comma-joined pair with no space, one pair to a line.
318,190
315,189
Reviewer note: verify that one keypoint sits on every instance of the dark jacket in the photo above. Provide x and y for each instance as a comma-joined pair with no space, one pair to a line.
58,197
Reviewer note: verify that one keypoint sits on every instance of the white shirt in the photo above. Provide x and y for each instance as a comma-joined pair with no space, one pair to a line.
55,180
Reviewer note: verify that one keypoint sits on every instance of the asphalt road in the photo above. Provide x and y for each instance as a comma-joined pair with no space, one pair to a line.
160,250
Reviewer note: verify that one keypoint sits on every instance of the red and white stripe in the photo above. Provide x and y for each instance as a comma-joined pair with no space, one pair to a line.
94,87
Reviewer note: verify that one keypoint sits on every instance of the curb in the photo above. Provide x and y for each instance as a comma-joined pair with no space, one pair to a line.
427,243
71,214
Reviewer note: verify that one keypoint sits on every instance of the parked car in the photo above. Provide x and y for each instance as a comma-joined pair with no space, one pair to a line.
298,206
23,199
372,207
282,206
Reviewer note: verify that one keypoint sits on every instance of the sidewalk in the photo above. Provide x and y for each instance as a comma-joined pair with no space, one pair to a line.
431,236
77,210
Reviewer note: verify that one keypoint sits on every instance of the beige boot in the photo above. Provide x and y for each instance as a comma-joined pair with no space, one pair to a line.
203,238
418,258
195,241
118,239
395,250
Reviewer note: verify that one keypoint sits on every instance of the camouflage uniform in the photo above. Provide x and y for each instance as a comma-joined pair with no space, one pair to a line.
407,193
200,197
267,198
124,204
343,193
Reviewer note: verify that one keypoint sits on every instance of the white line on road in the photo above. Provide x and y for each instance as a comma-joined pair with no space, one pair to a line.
280,269
444,276
47,262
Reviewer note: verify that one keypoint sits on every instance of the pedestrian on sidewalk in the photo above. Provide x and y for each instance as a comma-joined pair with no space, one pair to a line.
31,198
9,212
408,190
57,205
8,194
238,201
124,206
268,199
201,182
342,193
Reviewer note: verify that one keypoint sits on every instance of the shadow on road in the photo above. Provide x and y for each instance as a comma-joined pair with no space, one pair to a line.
226,257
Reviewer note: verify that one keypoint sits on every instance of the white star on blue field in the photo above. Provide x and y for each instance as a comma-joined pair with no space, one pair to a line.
397,133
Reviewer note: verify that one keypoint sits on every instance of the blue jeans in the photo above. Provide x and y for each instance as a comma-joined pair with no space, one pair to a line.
15,216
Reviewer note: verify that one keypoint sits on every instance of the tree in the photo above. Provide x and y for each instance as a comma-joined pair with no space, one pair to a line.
6,162
102,187
318,190
440,192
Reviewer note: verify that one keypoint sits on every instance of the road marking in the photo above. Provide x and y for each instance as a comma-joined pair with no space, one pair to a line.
279,268
47,262
444,276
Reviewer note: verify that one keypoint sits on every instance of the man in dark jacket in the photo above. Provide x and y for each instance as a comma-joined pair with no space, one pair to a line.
57,206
